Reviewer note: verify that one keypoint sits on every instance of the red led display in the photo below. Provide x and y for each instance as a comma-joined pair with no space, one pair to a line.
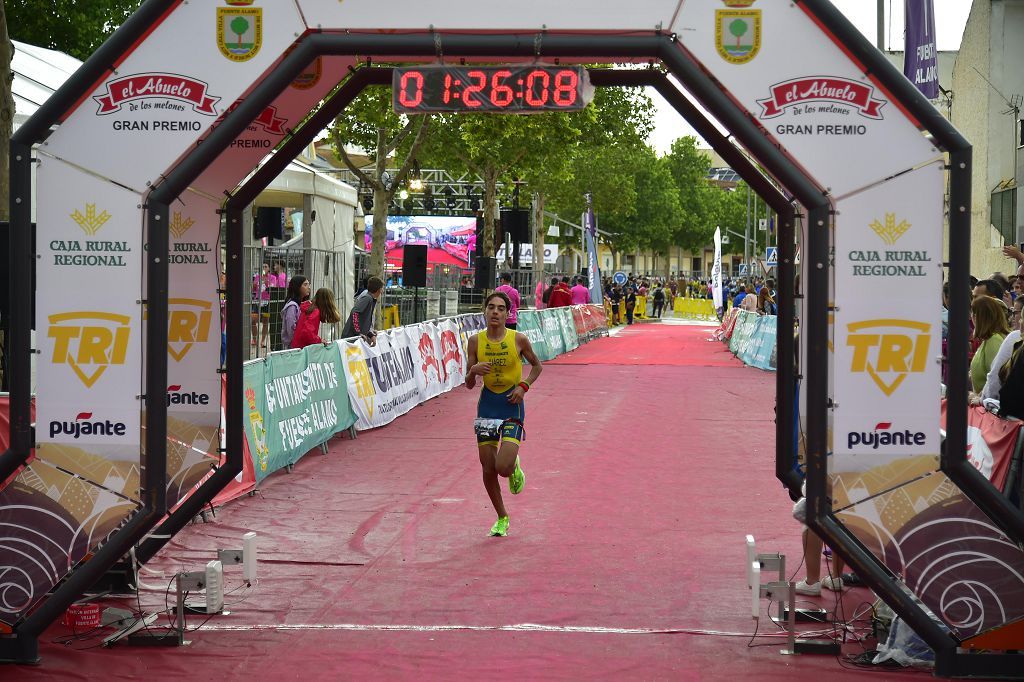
495,89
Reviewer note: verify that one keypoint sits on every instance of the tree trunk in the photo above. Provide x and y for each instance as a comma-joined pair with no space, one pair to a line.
380,231
490,245
538,240
6,113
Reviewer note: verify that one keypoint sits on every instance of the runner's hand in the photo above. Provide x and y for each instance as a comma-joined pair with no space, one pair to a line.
481,368
516,396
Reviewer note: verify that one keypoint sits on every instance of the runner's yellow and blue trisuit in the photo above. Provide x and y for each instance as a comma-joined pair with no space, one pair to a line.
498,419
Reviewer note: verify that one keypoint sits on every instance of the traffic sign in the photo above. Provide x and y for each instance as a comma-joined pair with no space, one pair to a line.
743,268
619,278
771,256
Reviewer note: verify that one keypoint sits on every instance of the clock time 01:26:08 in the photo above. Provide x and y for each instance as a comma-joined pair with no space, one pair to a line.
494,89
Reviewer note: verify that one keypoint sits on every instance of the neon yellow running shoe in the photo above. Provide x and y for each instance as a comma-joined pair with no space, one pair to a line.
500,527
517,480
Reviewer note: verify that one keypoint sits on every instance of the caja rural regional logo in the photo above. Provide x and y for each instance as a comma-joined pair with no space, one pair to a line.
239,30
888,350
738,31
89,341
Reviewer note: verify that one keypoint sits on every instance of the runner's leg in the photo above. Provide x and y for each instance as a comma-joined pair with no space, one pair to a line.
488,456
505,460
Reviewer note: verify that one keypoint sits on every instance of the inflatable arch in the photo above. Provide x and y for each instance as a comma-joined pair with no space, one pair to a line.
135,154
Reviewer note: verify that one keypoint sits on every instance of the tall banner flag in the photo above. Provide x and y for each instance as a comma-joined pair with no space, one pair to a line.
716,270
920,63
590,240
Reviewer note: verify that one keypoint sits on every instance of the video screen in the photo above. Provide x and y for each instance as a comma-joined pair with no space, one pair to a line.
449,239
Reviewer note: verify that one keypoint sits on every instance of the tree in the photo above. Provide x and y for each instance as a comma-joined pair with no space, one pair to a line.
738,28
71,26
370,124
689,168
6,114
239,26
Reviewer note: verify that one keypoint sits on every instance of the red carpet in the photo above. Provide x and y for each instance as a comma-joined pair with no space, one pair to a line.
653,343
625,558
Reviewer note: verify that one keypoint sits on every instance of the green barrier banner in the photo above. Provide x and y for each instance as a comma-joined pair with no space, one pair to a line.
530,324
568,328
254,422
306,403
552,329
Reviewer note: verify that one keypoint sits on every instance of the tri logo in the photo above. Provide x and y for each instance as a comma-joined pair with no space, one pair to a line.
89,341
888,350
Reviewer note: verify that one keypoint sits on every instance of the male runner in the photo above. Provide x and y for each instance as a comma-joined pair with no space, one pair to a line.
494,354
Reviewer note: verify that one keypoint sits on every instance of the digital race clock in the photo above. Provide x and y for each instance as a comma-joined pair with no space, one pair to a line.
495,89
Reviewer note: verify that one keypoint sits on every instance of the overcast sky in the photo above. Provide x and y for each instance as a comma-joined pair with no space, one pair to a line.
950,18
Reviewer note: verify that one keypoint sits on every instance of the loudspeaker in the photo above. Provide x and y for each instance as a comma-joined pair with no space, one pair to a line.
516,222
485,268
269,223
414,265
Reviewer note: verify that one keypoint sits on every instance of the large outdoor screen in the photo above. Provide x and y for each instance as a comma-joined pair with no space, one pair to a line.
449,239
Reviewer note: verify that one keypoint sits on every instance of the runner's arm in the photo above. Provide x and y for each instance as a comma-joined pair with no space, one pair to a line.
526,350
470,362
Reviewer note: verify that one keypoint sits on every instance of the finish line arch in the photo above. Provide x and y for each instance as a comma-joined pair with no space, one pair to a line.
144,151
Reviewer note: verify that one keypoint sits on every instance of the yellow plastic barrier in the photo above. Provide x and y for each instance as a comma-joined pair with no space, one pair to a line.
695,308
391,317
640,311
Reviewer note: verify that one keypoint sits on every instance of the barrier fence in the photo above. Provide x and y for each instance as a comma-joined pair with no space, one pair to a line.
298,399
751,337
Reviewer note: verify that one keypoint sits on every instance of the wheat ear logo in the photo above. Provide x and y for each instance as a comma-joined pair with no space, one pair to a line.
180,225
90,221
891,231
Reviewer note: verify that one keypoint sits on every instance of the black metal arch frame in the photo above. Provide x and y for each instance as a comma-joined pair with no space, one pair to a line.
22,644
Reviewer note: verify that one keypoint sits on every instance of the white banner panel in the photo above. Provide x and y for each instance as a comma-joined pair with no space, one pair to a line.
270,127
167,92
525,15
88,316
382,379
804,90
526,253
888,265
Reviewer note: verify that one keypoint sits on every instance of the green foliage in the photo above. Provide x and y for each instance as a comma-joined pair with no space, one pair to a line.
738,28
239,26
368,120
71,26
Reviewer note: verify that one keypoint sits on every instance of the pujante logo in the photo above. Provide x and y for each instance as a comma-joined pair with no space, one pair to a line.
888,350
169,87
89,341
90,221
361,377
883,436
838,95
738,31
188,323
239,30
84,425
176,396
259,432
891,231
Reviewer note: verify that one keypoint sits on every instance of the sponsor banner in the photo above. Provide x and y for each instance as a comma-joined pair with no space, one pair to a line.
921,59
580,324
526,253
162,98
530,324
991,442
194,324
888,259
51,519
383,379
567,327
552,329
305,403
88,322
716,271
814,101
268,129
468,326
590,245
439,355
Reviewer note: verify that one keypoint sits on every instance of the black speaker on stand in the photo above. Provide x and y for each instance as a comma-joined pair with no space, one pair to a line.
269,223
485,267
414,265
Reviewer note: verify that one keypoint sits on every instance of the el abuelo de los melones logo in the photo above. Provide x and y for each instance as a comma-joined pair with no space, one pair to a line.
148,102
828,106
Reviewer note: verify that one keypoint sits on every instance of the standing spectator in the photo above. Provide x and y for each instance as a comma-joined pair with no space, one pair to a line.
261,284
630,300
320,310
538,294
546,299
988,287
741,293
615,297
561,296
360,320
513,296
580,292
659,300
766,298
279,278
1002,363
298,293
990,328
